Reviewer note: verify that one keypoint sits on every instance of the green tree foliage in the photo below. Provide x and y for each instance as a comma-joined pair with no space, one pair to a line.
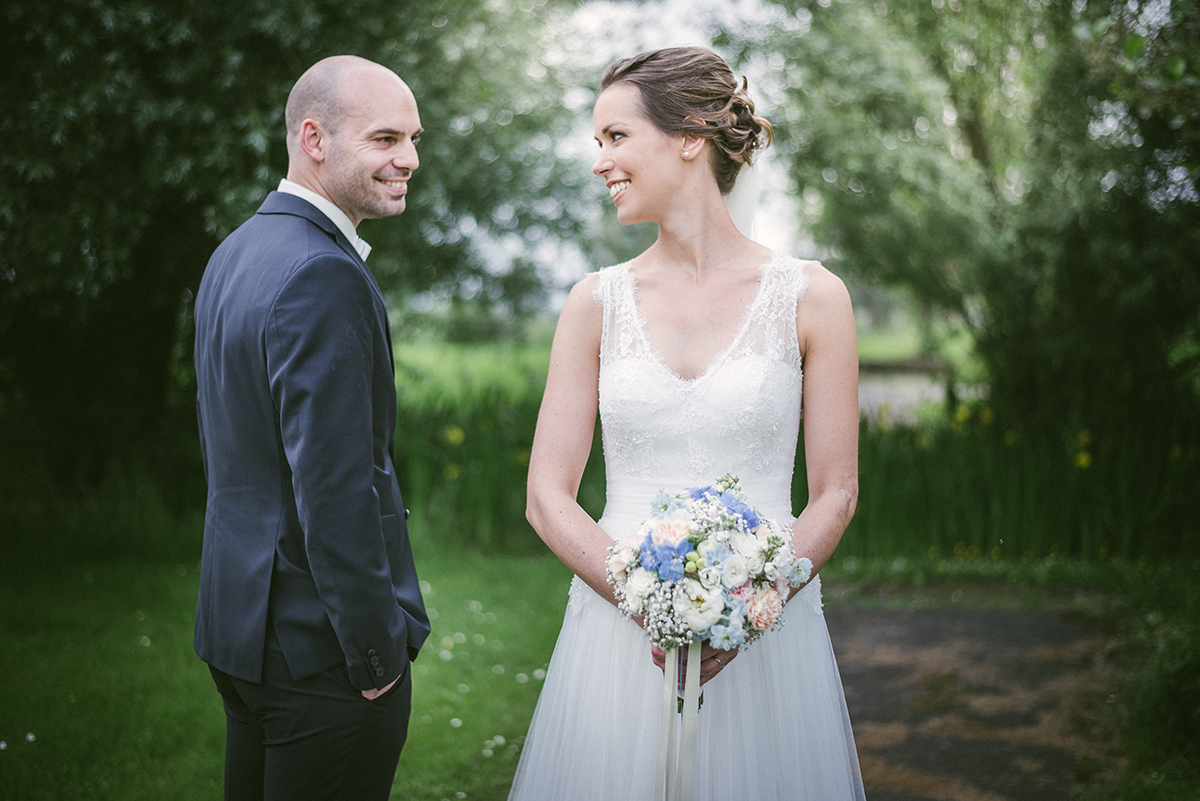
141,132
1030,166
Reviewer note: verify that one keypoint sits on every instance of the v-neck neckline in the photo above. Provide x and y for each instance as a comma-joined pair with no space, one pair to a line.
722,355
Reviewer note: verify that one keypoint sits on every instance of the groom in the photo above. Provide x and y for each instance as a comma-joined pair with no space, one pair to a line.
309,610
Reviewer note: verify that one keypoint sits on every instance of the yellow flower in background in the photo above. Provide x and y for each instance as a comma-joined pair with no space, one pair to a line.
1083,460
986,415
522,456
923,441
1083,439
1010,437
454,435
961,415
451,472
883,418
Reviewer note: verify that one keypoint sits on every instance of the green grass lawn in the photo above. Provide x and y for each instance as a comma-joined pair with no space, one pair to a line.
103,697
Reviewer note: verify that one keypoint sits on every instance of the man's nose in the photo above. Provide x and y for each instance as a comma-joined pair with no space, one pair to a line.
407,158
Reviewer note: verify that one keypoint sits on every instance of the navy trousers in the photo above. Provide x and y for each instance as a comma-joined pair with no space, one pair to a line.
312,739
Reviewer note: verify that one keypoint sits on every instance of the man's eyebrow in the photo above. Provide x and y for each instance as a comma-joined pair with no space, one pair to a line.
394,132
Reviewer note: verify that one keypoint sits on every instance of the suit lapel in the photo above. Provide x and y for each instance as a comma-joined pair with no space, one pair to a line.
285,203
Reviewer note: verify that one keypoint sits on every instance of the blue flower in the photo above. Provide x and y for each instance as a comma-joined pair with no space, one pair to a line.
670,560
717,555
664,504
738,508
649,555
699,493
727,636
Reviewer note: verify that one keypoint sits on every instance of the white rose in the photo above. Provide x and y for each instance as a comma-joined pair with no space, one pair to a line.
780,566
709,577
749,547
744,544
640,582
699,607
736,573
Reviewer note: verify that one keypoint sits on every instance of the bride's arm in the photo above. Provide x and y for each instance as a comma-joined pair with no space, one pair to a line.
563,440
829,344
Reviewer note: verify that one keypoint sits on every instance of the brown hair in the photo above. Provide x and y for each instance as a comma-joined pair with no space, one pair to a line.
691,91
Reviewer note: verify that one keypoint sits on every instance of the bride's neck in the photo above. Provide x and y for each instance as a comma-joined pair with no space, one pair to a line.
701,245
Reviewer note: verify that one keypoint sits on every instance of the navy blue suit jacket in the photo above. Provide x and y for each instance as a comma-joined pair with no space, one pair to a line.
305,528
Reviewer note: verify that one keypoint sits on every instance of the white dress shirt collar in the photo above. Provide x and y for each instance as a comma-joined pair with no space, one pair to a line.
330,210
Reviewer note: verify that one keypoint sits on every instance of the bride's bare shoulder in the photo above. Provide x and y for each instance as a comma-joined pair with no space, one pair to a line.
822,287
582,310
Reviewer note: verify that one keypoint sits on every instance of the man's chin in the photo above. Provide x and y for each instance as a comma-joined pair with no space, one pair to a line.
394,207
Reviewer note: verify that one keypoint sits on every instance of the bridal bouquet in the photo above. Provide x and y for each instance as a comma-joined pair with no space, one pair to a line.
706,566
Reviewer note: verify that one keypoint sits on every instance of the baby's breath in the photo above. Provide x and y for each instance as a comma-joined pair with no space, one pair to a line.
677,609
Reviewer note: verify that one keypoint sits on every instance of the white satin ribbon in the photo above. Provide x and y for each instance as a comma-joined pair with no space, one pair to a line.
675,778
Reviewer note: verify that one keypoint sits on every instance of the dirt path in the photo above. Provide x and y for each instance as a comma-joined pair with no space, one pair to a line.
953,702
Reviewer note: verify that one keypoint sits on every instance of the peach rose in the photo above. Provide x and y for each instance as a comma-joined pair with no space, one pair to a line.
670,532
764,608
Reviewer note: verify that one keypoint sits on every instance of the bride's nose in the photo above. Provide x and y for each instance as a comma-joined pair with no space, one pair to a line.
602,164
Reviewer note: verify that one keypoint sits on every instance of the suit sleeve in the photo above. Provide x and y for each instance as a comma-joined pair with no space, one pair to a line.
322,364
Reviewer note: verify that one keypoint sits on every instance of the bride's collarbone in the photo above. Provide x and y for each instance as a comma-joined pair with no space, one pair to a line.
691,328
714,306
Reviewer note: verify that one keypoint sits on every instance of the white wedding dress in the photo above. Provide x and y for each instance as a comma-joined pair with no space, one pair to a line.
773,724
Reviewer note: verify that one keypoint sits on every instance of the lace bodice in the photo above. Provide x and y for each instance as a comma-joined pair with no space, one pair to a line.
742,416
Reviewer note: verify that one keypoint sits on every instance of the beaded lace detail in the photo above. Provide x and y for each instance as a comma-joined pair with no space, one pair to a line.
741,415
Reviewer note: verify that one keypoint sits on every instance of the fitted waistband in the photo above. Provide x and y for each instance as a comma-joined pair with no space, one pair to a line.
635,496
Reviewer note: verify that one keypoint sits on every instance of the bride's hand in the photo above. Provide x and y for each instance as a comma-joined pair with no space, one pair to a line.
712,660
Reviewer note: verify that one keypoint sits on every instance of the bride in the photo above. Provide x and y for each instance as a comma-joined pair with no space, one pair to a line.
698,355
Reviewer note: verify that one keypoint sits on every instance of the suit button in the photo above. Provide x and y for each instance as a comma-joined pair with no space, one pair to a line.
371,652
378,671
405,514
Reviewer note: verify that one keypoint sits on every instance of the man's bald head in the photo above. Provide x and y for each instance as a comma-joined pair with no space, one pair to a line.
324,92
352,129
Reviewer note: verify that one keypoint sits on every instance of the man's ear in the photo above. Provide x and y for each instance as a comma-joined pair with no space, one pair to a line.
313,139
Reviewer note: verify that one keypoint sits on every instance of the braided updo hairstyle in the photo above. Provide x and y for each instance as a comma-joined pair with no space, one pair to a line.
691,91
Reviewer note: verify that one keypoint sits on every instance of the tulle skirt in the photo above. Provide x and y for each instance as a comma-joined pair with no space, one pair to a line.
773,724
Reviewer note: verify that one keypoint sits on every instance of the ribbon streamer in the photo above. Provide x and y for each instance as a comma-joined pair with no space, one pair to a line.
675,777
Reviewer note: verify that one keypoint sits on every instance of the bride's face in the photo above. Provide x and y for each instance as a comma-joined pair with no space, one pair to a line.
640,165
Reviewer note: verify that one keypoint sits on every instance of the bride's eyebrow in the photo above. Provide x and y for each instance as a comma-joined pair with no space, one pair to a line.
605,130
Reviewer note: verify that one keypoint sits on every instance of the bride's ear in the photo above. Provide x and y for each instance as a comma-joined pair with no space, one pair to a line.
693,145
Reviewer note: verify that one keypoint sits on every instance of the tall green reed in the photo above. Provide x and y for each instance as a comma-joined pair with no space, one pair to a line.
962,485
966,485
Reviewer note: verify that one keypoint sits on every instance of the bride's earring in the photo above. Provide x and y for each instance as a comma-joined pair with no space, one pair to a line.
687,154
